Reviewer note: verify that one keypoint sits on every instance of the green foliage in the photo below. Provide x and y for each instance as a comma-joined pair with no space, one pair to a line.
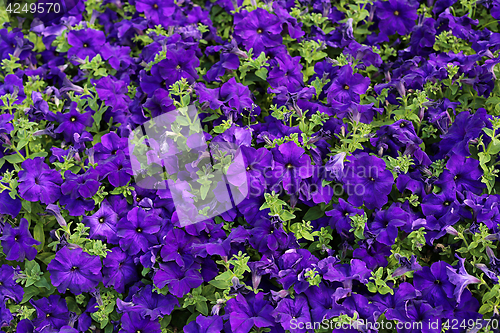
379,284
358,224
278,207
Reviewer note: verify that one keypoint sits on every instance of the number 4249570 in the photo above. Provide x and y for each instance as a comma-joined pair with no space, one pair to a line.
40,8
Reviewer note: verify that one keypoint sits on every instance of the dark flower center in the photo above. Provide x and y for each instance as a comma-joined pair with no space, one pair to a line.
101,220
47,315
155,6
456,177
372,179
346,87
139,230
249,168
13,46
120,264
74,268
438,282
138,198
113,152
37,181
16,238
178,67
72,119
346,213
259,31
289,166
396,13
85,45
446,203
402,125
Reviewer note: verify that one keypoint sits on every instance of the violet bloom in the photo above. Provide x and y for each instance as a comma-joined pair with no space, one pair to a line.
460,279
73,122
286,73
132,322
204,324
113,92
292,165
347,87
81,185
422,316
322,304
111,145
245,313
293,312
406,265
102,224
9,206
37,182
396,16
119,270
51,312
347,273
386,222
179,280
18,243
340,217
85,43
466,174
367,181
9,289
150,304
434,284
138,231
258,30
75,270
156,11
5,315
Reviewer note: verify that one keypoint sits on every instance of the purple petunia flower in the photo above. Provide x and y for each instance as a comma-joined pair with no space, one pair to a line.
258,30
8,286
138,231
386,222
119,270
460,279
367,181
75,270
434,284
178,280
103,223
204,324
85,43
348,86
18,243
73,122
156,11
51,312
396,16
132,322
247,312
150,304
291,165
37,182
292,312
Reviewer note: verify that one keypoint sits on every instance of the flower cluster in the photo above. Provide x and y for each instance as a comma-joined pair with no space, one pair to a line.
250,166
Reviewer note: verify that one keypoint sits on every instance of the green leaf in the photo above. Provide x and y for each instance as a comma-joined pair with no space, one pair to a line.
261,73
202,307
12,159
26,205
313,213
29,293
39,235
219,284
